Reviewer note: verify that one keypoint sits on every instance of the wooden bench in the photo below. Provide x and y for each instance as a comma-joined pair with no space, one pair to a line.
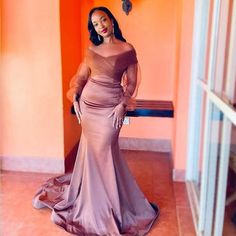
144,108
152,108
149,108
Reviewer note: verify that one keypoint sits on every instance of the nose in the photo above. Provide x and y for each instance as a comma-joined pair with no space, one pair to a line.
101,26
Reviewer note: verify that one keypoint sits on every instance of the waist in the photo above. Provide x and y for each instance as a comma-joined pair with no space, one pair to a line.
102,93
105,81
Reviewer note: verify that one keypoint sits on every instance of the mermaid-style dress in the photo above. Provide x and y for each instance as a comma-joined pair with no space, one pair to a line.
100,197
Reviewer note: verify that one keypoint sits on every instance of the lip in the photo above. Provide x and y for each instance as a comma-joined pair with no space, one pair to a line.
104,31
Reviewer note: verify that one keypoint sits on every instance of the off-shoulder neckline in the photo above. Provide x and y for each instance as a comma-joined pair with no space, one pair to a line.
127,51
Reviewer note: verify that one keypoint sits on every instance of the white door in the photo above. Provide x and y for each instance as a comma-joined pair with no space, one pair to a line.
212,116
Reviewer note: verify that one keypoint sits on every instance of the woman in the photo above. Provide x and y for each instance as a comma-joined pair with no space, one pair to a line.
100,197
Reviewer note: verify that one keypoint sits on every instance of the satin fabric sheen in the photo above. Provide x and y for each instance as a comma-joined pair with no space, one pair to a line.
100,197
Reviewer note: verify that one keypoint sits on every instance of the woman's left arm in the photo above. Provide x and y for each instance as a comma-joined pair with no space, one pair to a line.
120,110
131,74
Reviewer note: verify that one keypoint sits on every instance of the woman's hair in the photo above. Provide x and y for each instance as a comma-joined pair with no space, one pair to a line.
93,34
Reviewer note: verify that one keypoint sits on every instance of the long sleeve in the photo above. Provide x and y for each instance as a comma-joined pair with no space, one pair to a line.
78,81
130,86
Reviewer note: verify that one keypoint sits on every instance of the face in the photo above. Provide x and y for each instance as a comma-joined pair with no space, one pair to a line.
102,23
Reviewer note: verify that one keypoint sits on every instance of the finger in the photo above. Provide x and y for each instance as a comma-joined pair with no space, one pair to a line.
114,122
117,123
77,111
111,114
79,105
75,104
78,116
79,120
120,123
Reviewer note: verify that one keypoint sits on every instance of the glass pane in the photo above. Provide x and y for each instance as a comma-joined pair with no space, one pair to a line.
208,42
218,170
224,84
209,152
207,10
227,43
222,47
230,209
212,156
201,135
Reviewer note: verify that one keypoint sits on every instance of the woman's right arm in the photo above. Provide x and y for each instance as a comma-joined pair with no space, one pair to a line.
78,82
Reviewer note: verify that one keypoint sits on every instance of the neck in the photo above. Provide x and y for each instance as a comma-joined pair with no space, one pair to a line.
109,39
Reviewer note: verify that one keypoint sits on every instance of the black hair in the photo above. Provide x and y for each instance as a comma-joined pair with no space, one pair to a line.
93,34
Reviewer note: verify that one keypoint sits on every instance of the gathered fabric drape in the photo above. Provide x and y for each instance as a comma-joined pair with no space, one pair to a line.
100,196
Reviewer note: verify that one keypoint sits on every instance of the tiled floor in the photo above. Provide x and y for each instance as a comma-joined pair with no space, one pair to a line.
229,228
153,174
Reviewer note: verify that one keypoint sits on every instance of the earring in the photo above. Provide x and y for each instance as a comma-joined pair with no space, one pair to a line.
113,29
99,38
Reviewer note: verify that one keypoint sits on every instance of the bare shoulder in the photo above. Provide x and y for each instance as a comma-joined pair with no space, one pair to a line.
91,47
127,46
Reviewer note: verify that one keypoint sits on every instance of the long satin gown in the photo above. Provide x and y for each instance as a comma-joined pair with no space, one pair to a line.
100,197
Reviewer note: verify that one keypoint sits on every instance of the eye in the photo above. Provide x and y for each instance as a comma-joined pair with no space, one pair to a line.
95,25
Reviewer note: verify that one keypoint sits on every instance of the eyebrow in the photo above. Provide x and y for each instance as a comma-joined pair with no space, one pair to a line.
99,19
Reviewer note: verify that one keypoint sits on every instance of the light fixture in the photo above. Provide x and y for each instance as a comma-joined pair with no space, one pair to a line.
126,6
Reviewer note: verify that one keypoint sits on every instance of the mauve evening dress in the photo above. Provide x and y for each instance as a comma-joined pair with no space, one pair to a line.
100,197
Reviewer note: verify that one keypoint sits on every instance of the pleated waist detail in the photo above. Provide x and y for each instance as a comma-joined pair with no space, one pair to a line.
102,91
109,84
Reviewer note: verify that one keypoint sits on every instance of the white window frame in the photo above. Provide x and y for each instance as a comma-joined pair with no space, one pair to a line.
202,203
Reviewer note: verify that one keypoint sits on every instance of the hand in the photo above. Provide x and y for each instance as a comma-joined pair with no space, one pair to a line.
76,97
118,114
77,110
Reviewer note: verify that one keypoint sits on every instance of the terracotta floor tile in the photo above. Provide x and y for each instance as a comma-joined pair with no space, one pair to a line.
229,228
152,171
11,228
186,227
43,230
166,224
181,194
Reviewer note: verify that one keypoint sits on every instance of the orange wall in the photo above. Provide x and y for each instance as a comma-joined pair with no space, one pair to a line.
73,25
31,91
74,33
85,8
0,30
161,32
70,19
151,28
42,45
182,84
